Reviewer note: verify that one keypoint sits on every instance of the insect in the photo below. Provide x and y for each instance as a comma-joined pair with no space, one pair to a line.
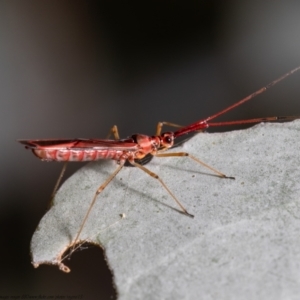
137,147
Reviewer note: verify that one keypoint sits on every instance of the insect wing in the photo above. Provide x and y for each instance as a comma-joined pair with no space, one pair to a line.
56,144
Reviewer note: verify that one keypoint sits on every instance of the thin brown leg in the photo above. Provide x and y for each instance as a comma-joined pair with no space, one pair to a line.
79,245
61,174
113,131
180,154
100,189
163,184
161,124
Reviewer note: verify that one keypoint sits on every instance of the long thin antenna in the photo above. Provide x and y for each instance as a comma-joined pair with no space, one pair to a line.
204,123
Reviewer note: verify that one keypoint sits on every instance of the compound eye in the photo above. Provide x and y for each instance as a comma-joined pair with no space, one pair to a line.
168,140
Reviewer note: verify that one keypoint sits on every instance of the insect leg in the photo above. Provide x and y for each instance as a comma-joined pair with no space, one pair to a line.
163,184
114,131
161,124
62,172
180,154
79,245
99,190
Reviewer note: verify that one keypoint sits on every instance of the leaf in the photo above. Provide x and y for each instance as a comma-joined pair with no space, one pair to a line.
244,239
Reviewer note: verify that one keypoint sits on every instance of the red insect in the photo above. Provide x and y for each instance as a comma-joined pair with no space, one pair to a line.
137,147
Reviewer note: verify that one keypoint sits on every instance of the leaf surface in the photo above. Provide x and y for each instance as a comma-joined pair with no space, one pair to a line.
244,239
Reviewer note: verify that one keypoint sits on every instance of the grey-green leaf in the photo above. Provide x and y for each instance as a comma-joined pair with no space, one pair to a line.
244,242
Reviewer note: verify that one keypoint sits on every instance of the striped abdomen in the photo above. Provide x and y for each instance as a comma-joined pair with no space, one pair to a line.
78,154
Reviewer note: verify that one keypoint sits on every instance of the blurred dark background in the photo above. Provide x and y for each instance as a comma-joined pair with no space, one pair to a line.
75,68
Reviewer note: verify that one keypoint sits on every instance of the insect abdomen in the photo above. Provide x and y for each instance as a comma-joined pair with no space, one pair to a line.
76,155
